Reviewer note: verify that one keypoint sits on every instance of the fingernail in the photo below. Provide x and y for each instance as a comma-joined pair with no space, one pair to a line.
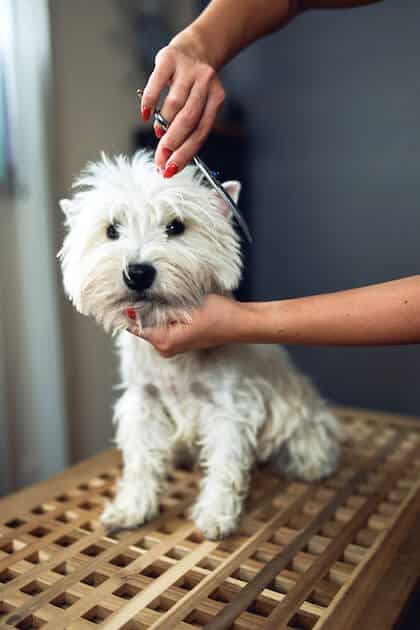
159,132
145,113
131,313
170,170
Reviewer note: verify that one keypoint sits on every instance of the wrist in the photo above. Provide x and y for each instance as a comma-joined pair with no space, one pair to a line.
264,322
250,322
191,43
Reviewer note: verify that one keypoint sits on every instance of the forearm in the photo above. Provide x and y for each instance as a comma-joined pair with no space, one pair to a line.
227,26
380,314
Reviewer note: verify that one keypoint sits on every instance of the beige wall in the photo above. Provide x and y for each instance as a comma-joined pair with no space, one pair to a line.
96,109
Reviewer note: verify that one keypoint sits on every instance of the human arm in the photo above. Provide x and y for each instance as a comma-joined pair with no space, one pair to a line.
191,60
226,27
380,314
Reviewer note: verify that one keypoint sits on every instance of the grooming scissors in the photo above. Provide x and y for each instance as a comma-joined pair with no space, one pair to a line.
210,176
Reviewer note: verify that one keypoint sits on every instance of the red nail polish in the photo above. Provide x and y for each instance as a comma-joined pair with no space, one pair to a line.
145,113
170,170
131,313
159,132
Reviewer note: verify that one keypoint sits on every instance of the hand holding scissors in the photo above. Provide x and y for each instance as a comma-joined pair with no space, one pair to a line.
210,176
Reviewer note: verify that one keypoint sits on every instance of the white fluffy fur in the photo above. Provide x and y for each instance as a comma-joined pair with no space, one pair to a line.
231,406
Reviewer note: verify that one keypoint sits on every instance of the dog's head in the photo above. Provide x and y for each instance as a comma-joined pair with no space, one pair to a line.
137,240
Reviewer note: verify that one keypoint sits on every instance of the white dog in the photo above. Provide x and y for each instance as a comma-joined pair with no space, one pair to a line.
136,240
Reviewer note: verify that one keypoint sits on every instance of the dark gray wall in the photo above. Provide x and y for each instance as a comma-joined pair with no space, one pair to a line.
333,103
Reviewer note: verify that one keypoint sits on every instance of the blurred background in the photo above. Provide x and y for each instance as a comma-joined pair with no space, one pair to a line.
321,124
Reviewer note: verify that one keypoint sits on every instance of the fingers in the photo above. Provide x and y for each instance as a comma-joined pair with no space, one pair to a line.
190,144
135,330
157,337
190,107
161,340
185,121
165,64
177,97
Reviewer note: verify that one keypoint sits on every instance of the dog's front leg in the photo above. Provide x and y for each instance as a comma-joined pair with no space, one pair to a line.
143,435
227,457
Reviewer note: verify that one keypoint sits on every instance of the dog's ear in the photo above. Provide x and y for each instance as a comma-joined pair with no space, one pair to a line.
233,188
69,208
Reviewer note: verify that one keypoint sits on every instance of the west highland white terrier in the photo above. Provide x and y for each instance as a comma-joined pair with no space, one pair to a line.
136,240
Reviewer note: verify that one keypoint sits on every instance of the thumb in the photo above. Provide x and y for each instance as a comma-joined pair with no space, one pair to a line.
155,335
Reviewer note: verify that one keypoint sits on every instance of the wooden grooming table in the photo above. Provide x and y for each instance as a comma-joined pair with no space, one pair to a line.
343,554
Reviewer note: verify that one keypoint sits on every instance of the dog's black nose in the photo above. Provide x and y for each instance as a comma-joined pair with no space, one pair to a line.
139,276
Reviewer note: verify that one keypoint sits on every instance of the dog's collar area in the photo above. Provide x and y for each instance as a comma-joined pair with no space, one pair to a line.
211,177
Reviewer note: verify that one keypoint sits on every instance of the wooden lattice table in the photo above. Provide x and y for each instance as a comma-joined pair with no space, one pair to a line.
338,555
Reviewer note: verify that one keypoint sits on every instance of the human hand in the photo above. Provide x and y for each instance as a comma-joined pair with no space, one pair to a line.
191,104
218,321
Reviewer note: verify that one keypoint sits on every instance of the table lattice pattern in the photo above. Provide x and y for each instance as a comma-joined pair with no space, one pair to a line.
302,558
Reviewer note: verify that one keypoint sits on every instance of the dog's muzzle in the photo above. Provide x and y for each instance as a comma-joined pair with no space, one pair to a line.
139,276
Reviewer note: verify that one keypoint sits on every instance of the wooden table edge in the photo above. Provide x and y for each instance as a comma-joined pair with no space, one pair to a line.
378,610
395,418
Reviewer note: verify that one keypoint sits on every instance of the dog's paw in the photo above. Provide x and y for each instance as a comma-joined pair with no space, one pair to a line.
114,517
214,526
128,512
217,521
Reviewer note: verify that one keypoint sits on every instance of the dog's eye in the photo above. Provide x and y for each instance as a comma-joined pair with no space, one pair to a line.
112,231
175,228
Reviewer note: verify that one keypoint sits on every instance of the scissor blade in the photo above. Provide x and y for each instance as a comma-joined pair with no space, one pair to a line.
224,194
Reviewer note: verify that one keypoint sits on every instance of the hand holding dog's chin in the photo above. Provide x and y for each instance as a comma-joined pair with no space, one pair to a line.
220,320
